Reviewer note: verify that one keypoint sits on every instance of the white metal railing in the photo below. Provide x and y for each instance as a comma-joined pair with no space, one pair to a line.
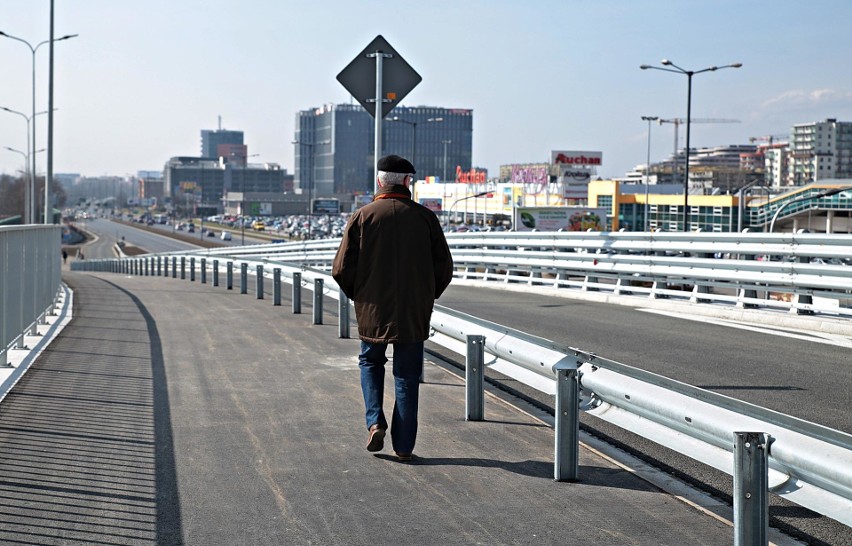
30,275
801,273
804,462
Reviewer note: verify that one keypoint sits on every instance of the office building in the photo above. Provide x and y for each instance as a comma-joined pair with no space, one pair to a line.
223,143
333,146
193,182
819,151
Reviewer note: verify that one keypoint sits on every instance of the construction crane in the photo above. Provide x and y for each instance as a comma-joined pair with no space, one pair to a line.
769,139
677,123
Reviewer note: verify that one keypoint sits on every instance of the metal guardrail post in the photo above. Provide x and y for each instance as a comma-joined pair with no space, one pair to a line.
182,267
229,276
474,375
342,315
259,282
318,288
203,270
192,268
174,267
750,294
159,266
802,299
276,286
166,266
215,272
751,481
566,461
243,278
146,263
297,293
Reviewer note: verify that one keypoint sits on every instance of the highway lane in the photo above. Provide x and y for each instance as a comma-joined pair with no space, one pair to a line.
109,233
798,376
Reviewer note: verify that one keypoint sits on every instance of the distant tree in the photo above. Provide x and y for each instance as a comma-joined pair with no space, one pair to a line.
11,195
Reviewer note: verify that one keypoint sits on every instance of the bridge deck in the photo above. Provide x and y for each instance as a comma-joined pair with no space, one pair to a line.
172,412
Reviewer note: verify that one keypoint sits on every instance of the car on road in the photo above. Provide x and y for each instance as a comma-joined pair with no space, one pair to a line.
226,236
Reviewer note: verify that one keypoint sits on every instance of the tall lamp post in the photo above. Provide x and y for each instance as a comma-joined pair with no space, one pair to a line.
414,133
312,182
649,119
827,193
689,74
30,200
33,50
30,209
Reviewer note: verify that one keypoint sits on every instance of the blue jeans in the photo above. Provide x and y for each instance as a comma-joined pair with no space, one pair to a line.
407,369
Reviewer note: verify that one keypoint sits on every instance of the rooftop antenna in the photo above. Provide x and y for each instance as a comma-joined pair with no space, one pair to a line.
220,122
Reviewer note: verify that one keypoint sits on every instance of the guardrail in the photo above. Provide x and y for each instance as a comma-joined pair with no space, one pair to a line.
799,273
30,275
765,451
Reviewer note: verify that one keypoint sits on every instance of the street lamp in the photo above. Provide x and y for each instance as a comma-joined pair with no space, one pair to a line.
30,213
649,119
414,133
457,201
29,200
32,174
827,193
688,73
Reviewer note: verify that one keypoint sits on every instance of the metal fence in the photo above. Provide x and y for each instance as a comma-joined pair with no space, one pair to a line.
30,275
765,451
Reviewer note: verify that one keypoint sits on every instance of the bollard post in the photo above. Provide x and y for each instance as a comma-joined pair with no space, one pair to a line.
566,462
276,286
159,266
751,482
192,269
342,315
166,266
146,261
182,267
174,267
297,293
259,282
203,270
318,301
474,375
243,278
215,272
229,276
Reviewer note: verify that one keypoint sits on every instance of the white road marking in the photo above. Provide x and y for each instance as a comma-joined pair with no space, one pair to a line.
815,337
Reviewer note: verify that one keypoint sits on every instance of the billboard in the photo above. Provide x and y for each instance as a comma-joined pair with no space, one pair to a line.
575,158
556,218
433,204
325,206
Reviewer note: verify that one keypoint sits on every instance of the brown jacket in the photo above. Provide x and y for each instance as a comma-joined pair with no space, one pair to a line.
394,263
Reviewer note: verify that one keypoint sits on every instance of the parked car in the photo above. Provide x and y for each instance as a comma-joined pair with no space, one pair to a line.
257,225
226,236
211,233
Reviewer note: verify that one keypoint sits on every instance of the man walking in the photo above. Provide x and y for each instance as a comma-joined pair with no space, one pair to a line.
394,262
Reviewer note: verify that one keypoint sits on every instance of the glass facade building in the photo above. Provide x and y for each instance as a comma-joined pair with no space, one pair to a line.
333,145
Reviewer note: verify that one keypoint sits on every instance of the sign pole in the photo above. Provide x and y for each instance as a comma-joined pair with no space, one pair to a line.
377,143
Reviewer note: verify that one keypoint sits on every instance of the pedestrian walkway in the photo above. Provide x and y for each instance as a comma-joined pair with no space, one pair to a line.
173,412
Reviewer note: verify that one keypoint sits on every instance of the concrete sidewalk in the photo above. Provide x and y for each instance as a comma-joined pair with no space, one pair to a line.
171,412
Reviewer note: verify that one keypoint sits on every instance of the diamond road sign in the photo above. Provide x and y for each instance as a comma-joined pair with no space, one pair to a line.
398,78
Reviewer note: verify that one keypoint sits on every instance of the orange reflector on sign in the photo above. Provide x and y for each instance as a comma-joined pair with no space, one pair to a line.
391,96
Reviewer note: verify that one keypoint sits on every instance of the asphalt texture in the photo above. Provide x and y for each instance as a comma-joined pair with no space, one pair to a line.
171,412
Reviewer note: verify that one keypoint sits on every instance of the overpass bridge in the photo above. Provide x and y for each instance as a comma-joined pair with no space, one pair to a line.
262,431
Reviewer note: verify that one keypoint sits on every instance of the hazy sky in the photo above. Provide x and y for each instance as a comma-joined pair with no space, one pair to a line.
144,77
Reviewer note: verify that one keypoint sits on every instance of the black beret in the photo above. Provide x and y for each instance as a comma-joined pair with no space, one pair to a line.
395,164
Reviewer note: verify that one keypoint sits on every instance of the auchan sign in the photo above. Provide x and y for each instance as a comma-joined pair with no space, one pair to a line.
472,176
561,157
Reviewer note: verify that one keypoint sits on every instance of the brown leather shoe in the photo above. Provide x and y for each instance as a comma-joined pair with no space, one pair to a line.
376,440
404,457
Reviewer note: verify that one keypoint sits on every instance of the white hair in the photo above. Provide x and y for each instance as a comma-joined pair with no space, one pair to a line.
391,179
